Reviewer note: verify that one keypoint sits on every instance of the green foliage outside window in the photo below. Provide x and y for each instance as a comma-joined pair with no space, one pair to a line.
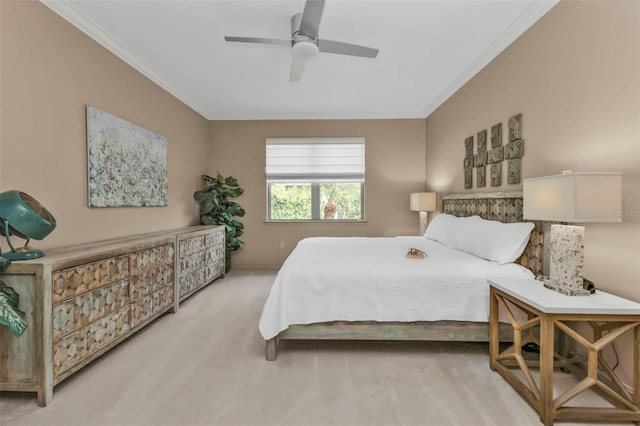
295,201
290,201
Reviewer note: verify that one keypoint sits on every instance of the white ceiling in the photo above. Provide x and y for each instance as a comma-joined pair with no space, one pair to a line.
428,50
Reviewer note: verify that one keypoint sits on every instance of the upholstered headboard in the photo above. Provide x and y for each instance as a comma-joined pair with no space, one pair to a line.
504,207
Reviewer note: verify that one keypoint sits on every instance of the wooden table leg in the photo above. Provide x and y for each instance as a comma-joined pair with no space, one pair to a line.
493,328
546,370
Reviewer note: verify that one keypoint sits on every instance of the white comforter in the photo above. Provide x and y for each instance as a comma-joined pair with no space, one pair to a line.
371,279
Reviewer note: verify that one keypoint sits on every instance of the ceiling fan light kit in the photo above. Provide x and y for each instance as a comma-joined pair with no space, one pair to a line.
305,43
305,49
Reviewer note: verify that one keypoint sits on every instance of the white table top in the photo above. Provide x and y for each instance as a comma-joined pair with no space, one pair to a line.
533,293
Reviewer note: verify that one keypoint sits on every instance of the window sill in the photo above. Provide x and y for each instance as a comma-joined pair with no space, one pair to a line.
314,221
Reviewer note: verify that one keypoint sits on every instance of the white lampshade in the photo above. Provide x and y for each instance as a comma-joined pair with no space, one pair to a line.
574,197
422,202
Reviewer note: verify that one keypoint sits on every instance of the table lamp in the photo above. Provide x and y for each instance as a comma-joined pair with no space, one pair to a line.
422,202
571,198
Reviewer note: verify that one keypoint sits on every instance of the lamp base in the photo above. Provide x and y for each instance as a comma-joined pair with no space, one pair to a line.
23,255
566,260
424,219
567,291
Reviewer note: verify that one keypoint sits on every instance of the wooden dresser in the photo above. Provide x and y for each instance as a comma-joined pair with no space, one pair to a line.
201,259
81,301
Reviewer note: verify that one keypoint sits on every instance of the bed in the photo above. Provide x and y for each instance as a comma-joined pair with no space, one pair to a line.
366,288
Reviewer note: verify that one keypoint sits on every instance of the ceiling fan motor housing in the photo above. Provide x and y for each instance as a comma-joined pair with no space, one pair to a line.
305,46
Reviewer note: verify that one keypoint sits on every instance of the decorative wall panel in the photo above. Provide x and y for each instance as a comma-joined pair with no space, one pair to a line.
512,152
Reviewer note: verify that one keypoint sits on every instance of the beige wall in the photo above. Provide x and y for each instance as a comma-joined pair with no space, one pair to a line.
394,151
575,77
50,72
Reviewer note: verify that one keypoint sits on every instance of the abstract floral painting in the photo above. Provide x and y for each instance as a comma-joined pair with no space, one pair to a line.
127,163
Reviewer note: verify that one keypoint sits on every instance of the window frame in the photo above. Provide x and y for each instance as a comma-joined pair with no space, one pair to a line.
315,205
311,161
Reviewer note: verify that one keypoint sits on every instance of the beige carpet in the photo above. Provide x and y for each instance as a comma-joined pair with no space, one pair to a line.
205,366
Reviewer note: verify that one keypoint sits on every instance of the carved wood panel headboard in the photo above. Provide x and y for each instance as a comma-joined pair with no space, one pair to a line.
504,207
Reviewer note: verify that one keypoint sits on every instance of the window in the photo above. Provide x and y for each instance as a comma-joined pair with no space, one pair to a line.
315,178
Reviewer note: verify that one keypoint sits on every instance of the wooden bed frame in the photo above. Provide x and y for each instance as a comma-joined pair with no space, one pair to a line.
504,207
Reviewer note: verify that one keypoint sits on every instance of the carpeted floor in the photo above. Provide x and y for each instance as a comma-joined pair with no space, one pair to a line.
205,365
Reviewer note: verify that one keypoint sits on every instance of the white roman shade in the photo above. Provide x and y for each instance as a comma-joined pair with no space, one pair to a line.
315,160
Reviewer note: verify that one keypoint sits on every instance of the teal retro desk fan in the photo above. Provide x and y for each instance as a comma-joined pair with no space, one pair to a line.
21,215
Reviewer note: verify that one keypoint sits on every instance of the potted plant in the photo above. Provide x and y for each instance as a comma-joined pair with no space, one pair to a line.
10,315
218,208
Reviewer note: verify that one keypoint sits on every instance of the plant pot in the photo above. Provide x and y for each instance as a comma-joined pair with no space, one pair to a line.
227,261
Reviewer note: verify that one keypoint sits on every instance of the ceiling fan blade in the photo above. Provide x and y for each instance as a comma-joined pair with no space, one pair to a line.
259,40
297,66
310,23
329,46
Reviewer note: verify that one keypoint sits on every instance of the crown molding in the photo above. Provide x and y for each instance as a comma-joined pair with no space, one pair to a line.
526,19
73,15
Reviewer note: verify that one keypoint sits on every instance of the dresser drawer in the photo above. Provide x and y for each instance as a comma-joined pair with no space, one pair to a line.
81,279
191,263
150,280
72,349
82,310
215,238
213,254
214,269
190,281
150,305
151,258
191,245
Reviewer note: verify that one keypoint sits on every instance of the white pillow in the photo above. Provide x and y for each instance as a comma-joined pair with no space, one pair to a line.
444,227
492,240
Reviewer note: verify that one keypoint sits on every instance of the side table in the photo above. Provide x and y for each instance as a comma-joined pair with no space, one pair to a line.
609,316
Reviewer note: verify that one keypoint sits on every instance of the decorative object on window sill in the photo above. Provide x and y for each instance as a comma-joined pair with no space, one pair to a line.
572,198
21,215
512,152
330,208
422,202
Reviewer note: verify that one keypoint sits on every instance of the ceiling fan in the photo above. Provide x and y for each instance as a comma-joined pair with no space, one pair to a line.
304,41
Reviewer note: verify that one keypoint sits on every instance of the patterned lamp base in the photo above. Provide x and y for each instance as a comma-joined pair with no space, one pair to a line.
423,222
567,259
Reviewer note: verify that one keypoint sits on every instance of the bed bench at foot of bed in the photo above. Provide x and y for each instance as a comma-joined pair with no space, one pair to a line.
461,331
